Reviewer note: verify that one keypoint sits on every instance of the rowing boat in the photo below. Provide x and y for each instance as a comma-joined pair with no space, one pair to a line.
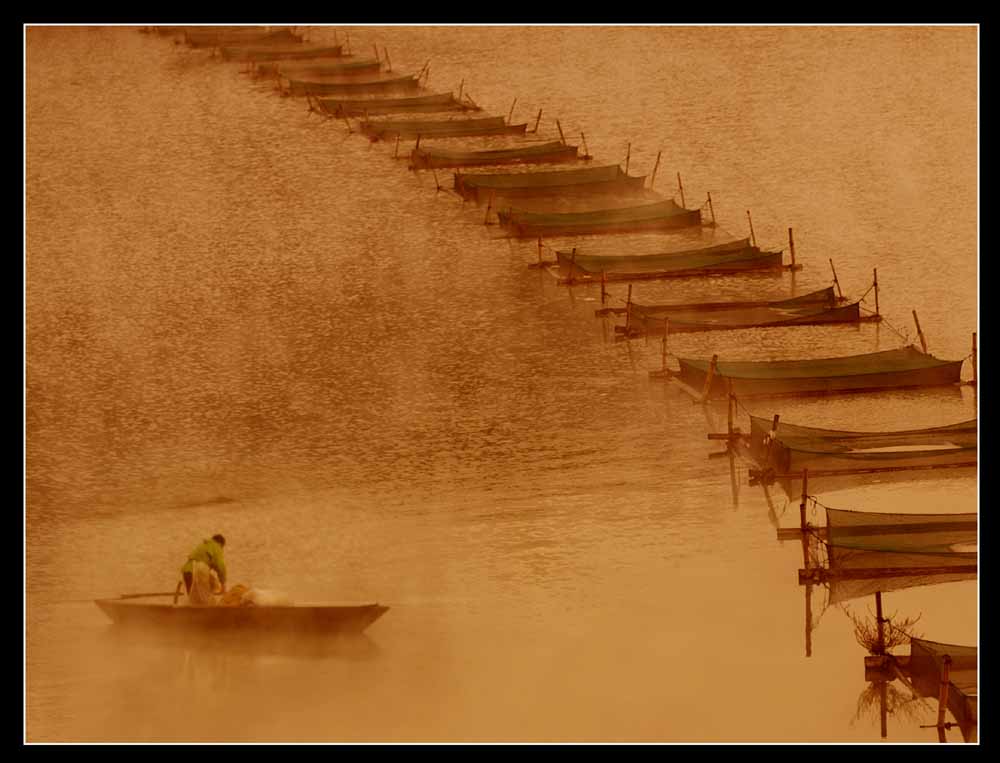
820,296
317,68
769,316
589,180
889,369
211,37
452,128
279,52
790,448
298,618
348,86
359,107
657,216
539,153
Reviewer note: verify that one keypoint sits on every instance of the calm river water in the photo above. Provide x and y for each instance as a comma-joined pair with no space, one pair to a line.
242,319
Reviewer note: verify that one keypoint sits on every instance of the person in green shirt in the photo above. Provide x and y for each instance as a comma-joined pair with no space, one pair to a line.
206,557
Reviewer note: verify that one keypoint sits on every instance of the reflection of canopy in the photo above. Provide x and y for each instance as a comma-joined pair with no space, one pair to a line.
869,552
926,663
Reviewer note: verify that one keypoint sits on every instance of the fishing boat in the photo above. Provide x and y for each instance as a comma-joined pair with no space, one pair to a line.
148,612
889,369
589,180
255,53
213,37
783,450
538,153
657,216
363,107
318,67
721,259
769,316
348,85
444,128
819,297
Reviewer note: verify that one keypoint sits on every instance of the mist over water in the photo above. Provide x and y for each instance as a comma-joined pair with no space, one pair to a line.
242,319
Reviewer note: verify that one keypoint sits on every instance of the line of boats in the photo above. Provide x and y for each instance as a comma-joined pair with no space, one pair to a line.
855,553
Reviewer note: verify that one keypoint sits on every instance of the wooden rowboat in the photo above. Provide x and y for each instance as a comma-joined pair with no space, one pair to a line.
538,153
450,128
657,216
350,85
291,619
279,52
316,67
589,180
418,104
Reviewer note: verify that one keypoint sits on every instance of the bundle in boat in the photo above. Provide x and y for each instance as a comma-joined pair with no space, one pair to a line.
362,107
349,86
661,215
317,68
867,552
538,153
773,315
279,52
589,180
442,128
213,37
889,369
721,259
789,448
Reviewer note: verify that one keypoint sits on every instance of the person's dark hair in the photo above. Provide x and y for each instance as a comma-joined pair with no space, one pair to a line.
219,539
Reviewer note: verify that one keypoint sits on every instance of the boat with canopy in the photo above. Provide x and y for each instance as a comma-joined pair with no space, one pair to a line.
538,153
349,85
363,107
589,180
441,128
255,53
656,216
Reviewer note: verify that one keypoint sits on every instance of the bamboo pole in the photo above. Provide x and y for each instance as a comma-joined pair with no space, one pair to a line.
586,151
920,333
561,136
489,206
437,185
539,248
460,86
510,116
943,696
803,524
417,147
710,207
879,624
774,433
681,187
974,362
395,154
604,284
729,411
572,263
375,48
628,155
537,120
708,378
628,309
388,63
753,238
839,292
791,246
875,285
666,333
656,166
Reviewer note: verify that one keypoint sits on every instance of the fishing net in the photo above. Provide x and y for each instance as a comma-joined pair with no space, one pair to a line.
926,664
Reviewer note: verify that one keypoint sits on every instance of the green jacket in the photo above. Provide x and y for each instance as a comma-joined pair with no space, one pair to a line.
209,552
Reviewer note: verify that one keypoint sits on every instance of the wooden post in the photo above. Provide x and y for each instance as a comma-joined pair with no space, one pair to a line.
604,282
510,116
708,378
561,136
666,333
879,624
774,433
437,185
923,341
974,362
460,86
628,309
537,120
572,264
539,248
729,412
753,238
388,63
489,206
375,48
710,207
791,246
943,696
656,166
628,155
839,292
875,282
417,147
586,151
802,516
681,187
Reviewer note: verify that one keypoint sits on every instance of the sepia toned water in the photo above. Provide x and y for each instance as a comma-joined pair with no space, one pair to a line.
242,319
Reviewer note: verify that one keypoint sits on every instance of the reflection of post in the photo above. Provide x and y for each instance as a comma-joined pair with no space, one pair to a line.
880,650
805,558
943,697
883,710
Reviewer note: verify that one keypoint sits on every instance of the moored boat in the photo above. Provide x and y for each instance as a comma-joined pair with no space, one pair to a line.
452,128
589,180
211,37
363,107
316,67
279,52
539,153
656,216
349,85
